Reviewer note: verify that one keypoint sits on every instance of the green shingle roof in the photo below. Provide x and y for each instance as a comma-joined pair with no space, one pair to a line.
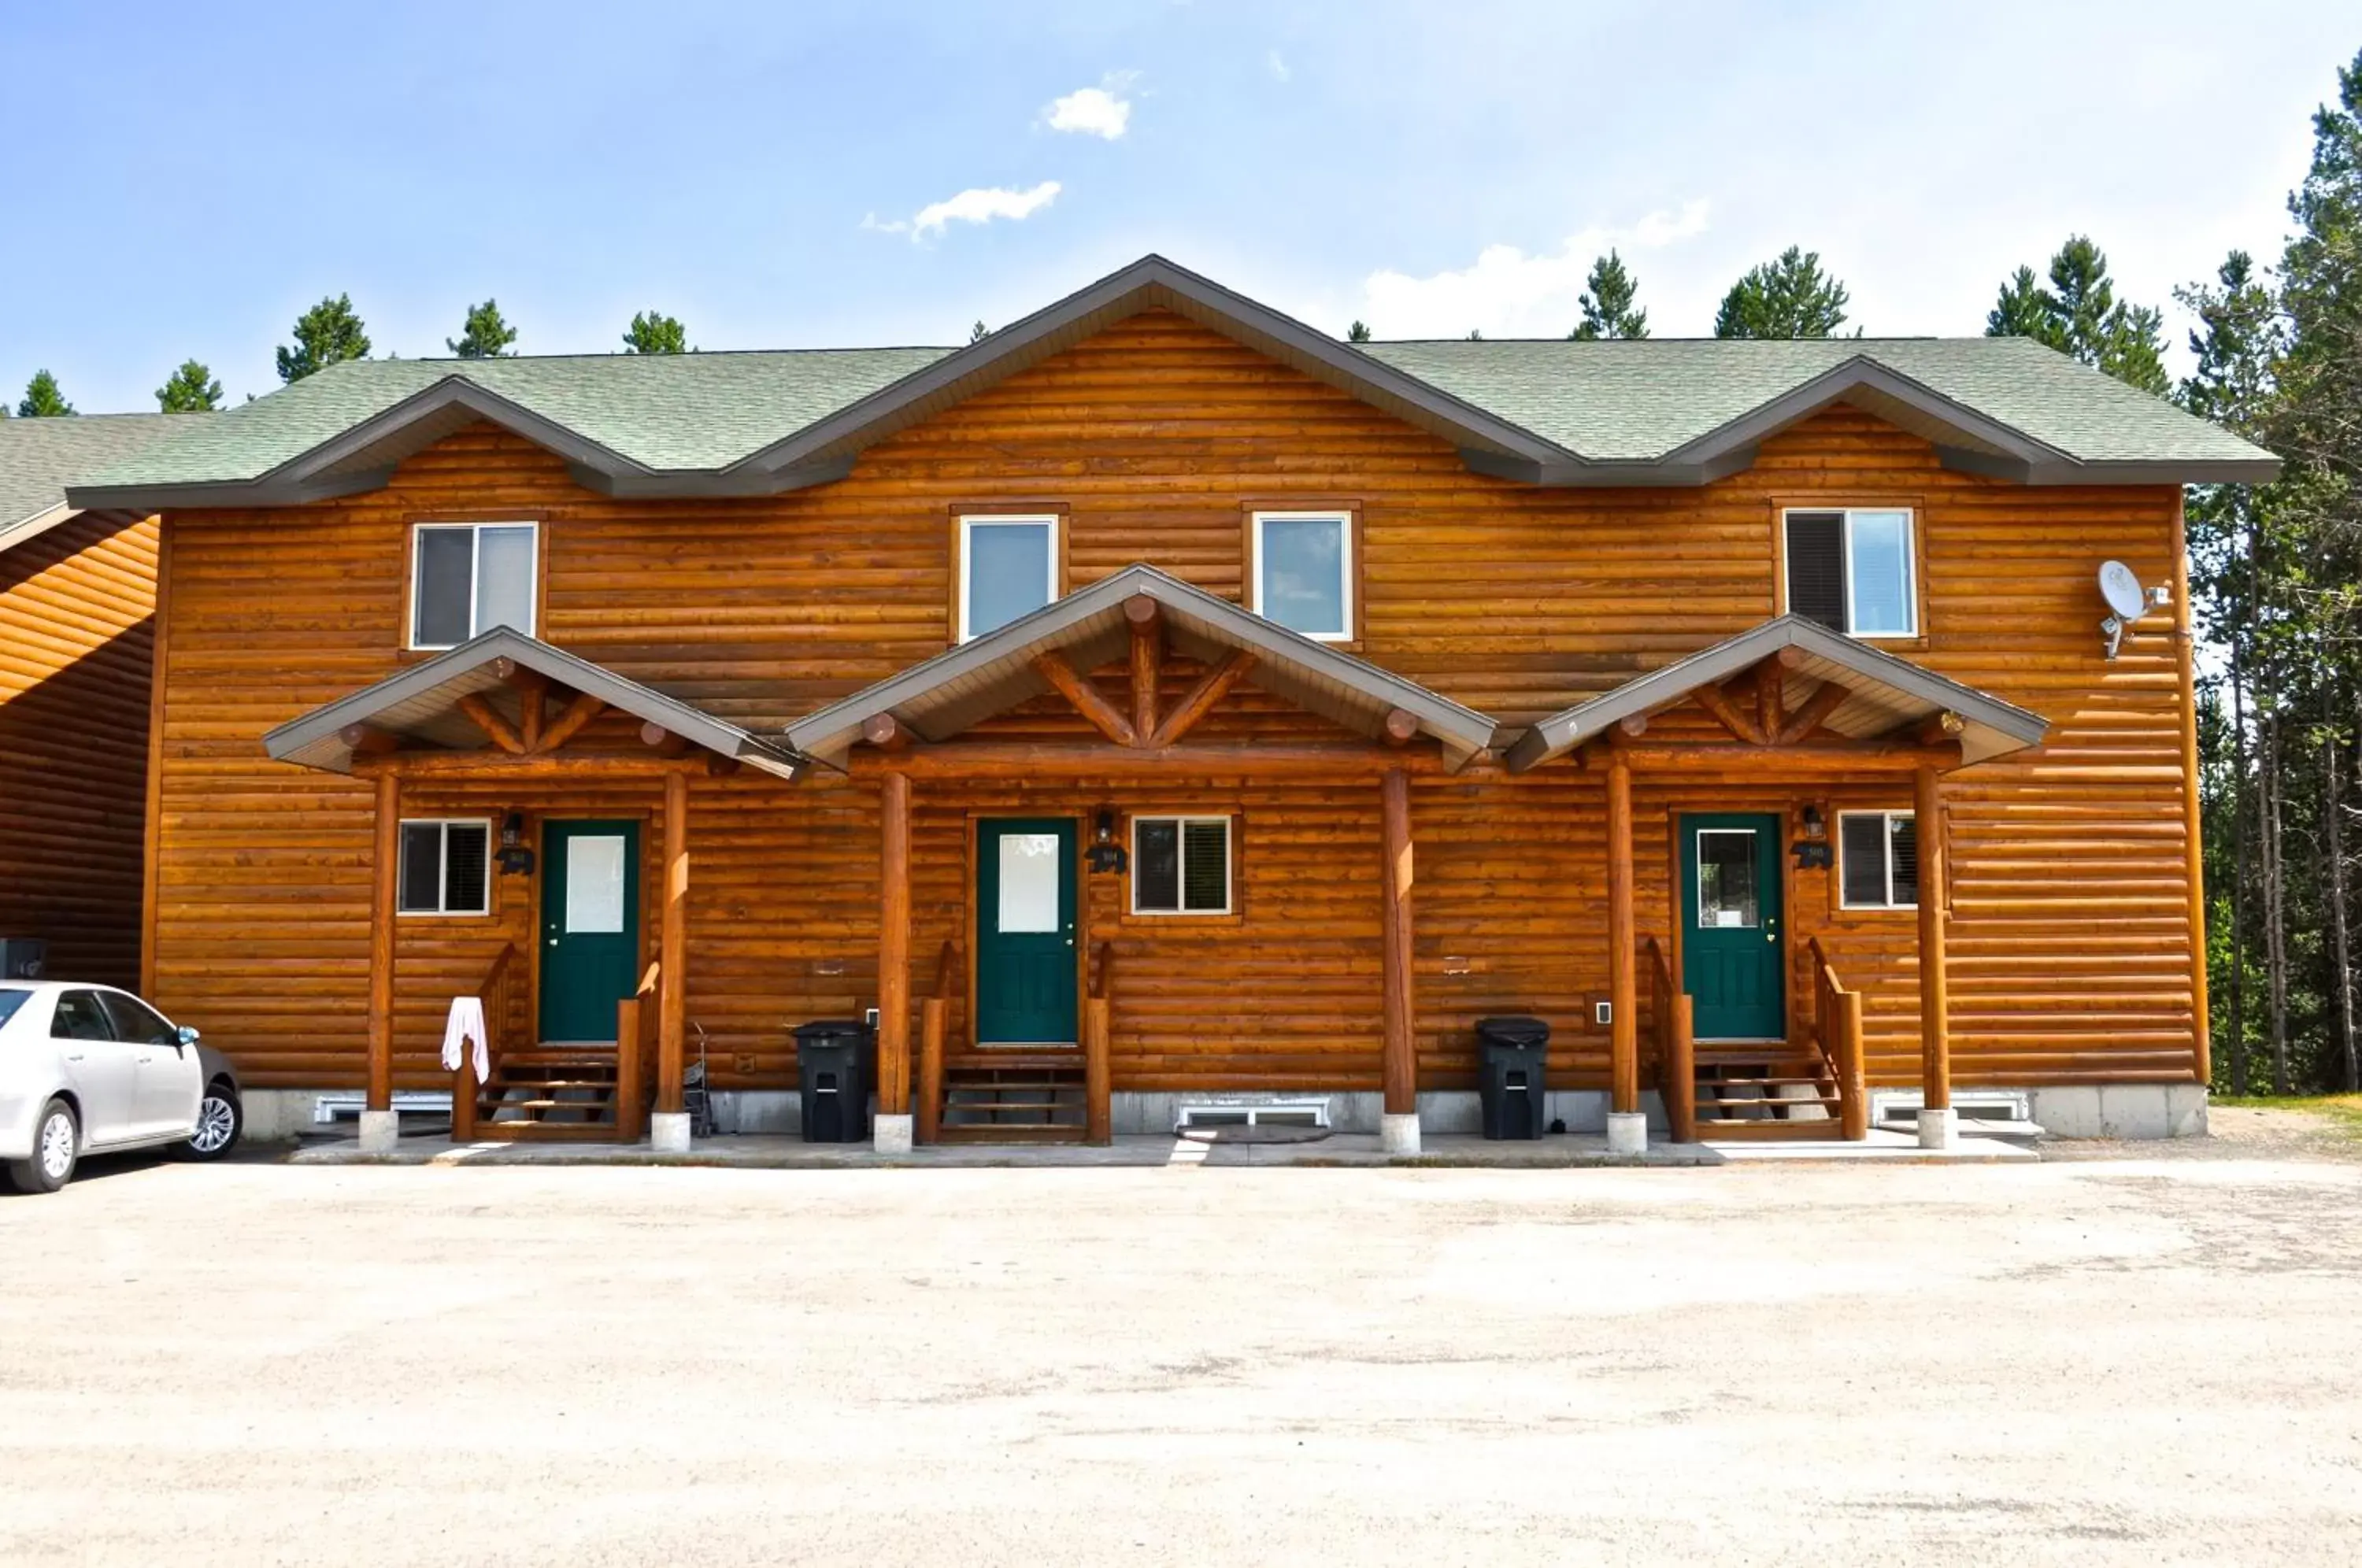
39,458
1547,411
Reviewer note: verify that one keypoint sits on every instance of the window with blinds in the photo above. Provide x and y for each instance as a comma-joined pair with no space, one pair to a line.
1852,571
1877,854
1181,865
446,868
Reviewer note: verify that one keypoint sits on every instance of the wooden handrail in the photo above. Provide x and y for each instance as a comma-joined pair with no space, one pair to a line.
1102,973
1676,1049
1098,1026
945,962
492,993
1837,1037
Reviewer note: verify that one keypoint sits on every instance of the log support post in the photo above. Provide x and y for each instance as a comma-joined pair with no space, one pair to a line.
928,1127
1627,1125
380,1126
892,1131
668,1127
1937,1127
1398,1126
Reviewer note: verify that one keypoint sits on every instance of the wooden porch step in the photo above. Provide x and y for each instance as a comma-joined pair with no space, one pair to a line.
1769,1130
489,1131
1032,1061
996,1105
1010,1133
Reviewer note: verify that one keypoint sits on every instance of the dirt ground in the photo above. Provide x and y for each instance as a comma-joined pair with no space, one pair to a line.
2132,1355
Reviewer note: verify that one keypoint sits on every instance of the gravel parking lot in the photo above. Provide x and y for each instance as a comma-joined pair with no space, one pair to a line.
2106,1360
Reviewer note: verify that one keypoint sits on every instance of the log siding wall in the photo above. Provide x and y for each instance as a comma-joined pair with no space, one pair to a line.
77,608
2070,942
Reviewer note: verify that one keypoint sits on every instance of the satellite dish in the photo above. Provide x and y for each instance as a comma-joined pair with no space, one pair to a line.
2123,590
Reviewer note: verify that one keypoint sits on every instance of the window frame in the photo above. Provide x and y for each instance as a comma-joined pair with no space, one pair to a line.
1180,820
443,909
473,526
1887,817
1349,565
964,526
1845,512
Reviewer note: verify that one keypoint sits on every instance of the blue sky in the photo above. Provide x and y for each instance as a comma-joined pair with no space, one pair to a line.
766,172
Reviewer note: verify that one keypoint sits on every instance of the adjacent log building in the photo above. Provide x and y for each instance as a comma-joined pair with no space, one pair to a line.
1159,705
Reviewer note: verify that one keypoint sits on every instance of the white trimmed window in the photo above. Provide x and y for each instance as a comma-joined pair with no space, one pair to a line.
468,578
1180,865
1878,855
1303,572
1854,570
1008,569
445,866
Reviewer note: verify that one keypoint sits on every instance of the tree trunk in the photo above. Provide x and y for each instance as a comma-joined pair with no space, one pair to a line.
2333,811
2275,903
2238,871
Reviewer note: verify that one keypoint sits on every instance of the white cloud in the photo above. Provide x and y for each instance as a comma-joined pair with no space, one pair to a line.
1093,111
1509,294
980,205
1277,66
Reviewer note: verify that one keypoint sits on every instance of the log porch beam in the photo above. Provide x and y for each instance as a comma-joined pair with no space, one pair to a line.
1771,676
368,740
894,948
1726,713
533,693
1087,701
1825,700
1399,1046
1210,689
1935,996
384,876
1147,622
579,712
1623,990
884,731
672,979
486,718
665,742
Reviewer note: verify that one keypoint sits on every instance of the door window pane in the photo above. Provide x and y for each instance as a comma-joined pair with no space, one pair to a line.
136,1023
443,601
1300,574
504,580
1881,573
594,884
1726,870
1008,570
1028,882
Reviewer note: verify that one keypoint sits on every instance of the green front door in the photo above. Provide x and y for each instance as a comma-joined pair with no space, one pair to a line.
589,926
1025,932
1733,954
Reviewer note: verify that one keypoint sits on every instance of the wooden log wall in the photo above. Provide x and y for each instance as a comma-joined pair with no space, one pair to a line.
77,608
2070,938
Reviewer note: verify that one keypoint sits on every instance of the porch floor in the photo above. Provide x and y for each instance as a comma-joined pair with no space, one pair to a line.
772,1152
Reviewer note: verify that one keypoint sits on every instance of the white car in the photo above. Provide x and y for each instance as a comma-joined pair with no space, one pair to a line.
90,1070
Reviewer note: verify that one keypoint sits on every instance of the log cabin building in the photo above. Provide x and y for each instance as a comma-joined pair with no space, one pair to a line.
77,620
1159,704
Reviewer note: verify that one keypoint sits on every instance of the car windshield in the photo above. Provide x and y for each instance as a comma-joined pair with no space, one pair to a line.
11,998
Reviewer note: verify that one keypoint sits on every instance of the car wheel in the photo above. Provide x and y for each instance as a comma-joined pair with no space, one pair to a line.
220,1119
57,1141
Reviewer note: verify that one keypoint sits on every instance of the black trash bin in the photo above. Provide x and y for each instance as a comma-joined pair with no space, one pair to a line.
1509,1080
833,1058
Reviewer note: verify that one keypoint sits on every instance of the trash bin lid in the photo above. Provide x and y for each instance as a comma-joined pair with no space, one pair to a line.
826,1030
1526,1033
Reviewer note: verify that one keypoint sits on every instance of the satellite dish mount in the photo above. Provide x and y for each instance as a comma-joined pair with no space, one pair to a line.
2128,602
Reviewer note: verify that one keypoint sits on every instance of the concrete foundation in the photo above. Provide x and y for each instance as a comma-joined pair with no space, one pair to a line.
2121,1110
1627,1132
890,1134
668,1132
1940,1129
381,1132
1398,1133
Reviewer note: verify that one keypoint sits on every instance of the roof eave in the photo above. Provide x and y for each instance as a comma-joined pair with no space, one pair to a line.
2262,470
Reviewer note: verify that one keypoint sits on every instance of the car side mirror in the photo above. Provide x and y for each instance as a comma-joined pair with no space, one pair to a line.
185,1036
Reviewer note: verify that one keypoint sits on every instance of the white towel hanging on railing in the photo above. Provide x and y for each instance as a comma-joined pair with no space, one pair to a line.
466,1023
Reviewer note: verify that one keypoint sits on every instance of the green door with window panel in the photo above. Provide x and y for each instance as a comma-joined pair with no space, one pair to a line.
1025,932
1733,963
589,926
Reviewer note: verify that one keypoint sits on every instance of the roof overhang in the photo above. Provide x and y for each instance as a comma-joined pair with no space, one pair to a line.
1886,691
991,674
421,705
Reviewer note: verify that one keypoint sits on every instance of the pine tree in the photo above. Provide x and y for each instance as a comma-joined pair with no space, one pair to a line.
327,334
2078,315
42,399
1787,297
190,390
979,333
484,334
652,332
1607,303
1358,333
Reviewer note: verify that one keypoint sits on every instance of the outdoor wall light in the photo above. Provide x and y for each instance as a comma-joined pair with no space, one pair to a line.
1105,853
1814,825
515,859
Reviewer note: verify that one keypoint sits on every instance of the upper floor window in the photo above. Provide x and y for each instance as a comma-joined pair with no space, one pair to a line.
468,578
1007,568
445,867
1853,570
1303,572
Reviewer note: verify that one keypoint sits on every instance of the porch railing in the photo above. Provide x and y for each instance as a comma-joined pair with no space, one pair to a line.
1676,1047
1098,1010
928,1127
634,1015
1835,1025
492,993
